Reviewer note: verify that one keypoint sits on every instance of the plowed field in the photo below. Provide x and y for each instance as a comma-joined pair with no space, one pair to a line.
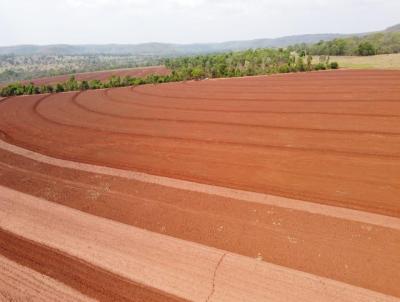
271,188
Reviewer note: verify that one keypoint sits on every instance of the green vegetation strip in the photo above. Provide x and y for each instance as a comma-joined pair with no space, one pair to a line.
232,64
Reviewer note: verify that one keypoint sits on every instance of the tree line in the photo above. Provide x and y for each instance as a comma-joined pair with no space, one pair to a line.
244,63
373,44
74,85
232,64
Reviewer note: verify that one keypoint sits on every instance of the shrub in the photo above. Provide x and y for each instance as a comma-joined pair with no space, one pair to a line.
334,65
95,84
84,85
320,66
59,88
284,69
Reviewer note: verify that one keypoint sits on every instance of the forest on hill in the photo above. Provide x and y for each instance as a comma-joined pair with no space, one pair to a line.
387,42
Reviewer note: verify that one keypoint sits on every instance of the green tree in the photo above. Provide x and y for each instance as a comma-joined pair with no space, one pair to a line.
197,73
300,64
84,85
59,88
366,49
71,84
309,62
114,81
29,89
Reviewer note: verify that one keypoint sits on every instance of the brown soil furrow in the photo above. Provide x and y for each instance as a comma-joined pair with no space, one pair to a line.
213,122
322,143
171,265
38,134
353,180
20,283
66,142
151,260
338,212
189,109
264,99
92,281
339,248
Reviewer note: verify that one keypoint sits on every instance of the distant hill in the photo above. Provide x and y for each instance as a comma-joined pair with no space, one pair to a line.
395,28
164,49
161,49
382,42
170,49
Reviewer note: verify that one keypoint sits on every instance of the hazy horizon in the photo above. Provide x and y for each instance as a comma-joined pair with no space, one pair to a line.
45,22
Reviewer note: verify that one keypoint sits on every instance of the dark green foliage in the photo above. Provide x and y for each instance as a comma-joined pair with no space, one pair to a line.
95,84
30,89
45,89
114,81
378,43
13,89
84,85
234,64
334,65
320,66
366,49
60,88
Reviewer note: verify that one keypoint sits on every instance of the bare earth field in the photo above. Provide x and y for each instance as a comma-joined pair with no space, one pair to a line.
270,188
102,75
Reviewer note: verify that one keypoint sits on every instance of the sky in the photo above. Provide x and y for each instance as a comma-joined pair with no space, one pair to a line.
185,21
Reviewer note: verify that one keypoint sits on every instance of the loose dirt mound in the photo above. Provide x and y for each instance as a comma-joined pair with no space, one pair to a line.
286,186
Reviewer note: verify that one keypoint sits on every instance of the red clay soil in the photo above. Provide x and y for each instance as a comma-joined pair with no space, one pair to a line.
86,278
317,147
330,138
338,248
102,75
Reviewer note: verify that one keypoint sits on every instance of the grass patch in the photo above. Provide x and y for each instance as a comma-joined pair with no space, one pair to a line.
390,61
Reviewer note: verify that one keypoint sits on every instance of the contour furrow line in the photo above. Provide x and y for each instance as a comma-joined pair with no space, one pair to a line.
244,125
283,202
171,265
20,283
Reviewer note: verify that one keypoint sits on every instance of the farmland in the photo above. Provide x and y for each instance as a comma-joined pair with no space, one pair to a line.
28,66
266,188
101,75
